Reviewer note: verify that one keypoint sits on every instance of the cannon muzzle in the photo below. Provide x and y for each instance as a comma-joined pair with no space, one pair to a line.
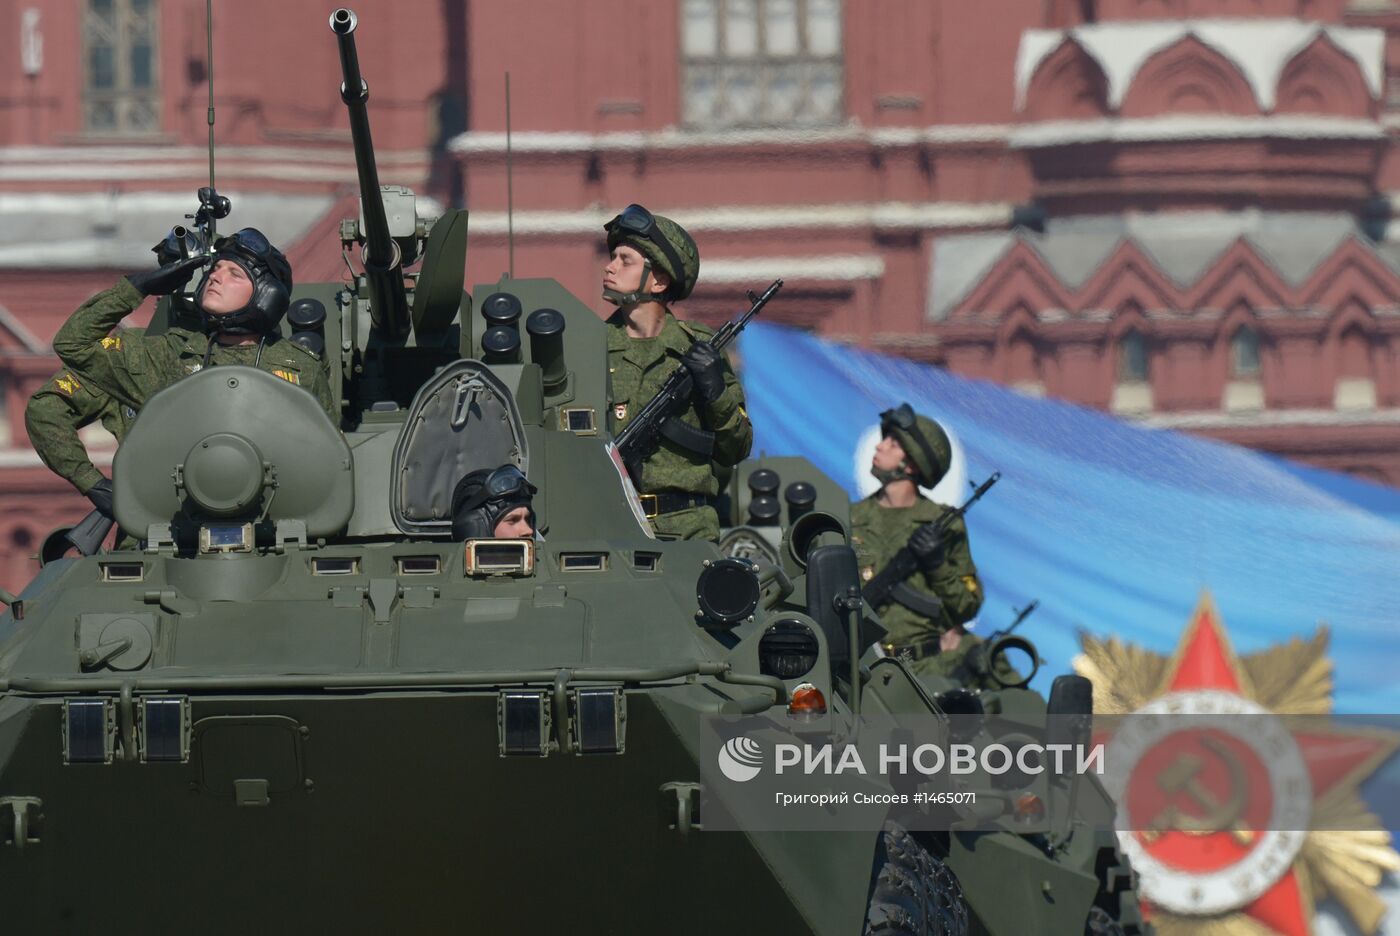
382,258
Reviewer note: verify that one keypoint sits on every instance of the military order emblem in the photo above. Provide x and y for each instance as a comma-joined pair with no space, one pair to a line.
1212,859
620,411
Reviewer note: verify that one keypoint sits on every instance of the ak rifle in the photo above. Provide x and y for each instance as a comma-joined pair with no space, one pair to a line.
641,437
883,586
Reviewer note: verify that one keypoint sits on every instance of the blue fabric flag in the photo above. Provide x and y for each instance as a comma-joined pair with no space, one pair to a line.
1115,528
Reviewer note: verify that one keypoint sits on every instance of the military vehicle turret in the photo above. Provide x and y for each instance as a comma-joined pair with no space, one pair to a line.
300,704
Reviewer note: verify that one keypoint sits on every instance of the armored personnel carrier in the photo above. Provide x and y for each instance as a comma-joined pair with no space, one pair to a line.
301,705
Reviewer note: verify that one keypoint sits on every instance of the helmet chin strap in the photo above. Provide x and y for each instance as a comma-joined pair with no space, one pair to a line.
888,476
634,297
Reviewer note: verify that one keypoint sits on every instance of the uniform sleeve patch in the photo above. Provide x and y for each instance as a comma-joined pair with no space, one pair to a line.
289,376
111,343
971,583
67,384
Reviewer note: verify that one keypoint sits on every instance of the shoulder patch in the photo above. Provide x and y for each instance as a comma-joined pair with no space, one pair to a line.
67,384
696,330
289,376
111,343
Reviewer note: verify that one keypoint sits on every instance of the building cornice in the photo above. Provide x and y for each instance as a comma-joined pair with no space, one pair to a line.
1051,133
1269,419
482,143
885,216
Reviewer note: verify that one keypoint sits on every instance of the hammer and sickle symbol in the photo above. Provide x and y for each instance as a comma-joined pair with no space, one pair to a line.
1218,815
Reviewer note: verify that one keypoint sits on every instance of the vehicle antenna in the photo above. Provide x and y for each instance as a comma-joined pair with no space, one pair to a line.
209,39
510,189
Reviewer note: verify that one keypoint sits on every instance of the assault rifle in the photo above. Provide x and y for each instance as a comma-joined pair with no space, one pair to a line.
889,582
641,437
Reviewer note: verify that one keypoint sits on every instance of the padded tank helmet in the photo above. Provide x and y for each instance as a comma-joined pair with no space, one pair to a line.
486,495
926,446
270,274
664,243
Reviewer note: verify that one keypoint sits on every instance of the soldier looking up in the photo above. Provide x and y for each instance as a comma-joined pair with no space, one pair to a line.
495,503
241,299
652,263
925,620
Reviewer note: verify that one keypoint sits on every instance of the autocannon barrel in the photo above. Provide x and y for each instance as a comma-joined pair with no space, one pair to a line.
382,258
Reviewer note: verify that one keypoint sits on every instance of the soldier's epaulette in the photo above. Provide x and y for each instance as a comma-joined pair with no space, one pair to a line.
696,331
287,346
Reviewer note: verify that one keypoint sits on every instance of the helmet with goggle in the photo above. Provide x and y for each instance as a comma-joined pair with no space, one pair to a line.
926,446
486,495
666,246
270,274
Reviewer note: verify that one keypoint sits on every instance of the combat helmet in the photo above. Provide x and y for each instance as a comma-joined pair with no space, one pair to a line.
271,275
925,444
666,245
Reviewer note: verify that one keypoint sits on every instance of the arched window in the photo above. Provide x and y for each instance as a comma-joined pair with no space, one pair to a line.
1132,357
1244,354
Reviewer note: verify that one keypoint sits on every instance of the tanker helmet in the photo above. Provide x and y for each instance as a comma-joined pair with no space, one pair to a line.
270,274
486,495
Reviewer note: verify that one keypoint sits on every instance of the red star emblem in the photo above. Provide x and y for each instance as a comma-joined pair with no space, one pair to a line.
1337,761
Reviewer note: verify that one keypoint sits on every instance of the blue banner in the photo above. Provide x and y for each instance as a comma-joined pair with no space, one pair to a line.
1115,528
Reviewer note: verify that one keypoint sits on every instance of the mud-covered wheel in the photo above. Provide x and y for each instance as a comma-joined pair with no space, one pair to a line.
1101,924
914,893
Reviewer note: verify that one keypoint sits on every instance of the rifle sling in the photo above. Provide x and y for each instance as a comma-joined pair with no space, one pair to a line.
699,441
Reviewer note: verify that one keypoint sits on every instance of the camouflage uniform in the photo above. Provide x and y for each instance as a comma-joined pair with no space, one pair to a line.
637,367
62,406
877,533
133,367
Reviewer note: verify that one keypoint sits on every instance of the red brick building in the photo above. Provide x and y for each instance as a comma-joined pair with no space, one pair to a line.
1176,209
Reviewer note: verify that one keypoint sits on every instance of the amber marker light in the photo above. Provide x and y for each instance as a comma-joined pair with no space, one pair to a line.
807,702
1029,808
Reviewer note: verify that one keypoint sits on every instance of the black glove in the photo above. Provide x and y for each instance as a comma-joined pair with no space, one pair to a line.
927,547
101,496
703,362
166,279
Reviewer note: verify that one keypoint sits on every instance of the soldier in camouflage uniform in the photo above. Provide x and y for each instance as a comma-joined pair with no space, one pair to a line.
653,262
925,619
241,298
56,411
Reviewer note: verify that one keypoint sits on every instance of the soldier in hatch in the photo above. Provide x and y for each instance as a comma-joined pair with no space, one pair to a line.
241,299
495,504
652,263
926,613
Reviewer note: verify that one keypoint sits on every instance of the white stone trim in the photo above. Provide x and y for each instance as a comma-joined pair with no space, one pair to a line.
1265,419
1259,47
879,215
1186,127
564,142
39,164
751,269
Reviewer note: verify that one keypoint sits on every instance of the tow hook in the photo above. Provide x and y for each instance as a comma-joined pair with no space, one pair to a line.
23,819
